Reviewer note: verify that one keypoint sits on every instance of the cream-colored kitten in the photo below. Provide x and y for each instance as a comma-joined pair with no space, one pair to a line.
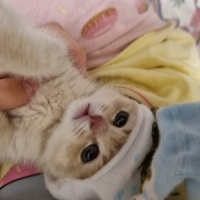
73,126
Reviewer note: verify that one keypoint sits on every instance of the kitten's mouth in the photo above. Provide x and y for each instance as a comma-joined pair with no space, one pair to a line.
95,121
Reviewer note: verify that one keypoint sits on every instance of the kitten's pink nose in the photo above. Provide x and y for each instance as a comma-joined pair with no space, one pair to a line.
96,122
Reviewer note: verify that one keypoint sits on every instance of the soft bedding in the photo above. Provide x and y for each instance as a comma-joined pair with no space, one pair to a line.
158,62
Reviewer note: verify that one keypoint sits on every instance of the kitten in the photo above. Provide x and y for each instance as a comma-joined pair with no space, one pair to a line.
73,126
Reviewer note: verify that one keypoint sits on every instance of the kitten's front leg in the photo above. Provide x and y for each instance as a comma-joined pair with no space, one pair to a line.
26,50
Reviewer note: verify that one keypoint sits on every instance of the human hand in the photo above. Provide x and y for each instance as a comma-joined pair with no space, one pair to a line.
15,92
76,52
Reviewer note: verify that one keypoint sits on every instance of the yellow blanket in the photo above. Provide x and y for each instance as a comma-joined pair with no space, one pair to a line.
162,65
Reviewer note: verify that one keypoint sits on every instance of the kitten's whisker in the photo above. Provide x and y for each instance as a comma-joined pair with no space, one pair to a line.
121,80
78,128
104,107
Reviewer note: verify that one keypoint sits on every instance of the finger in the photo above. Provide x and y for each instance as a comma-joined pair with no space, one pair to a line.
77,53
14,93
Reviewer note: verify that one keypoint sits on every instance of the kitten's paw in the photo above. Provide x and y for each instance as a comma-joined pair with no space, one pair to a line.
32,51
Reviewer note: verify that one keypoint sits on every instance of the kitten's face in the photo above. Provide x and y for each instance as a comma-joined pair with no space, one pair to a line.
90,134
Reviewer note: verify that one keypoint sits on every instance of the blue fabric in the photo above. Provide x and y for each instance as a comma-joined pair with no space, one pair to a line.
177,158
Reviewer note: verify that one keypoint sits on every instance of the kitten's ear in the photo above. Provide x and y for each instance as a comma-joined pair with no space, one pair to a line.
26,50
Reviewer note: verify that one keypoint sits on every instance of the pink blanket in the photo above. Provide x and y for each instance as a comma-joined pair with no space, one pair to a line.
103,28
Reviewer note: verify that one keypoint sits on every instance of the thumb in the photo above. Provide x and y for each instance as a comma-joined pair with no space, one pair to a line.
14,93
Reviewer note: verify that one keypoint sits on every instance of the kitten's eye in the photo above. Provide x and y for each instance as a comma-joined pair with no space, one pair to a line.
120,119
90,153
